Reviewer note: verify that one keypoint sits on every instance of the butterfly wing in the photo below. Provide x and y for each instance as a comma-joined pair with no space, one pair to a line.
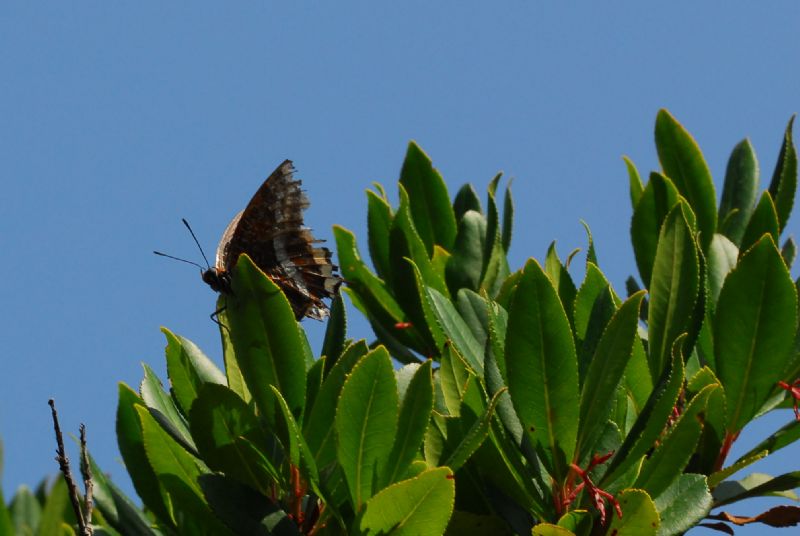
270,229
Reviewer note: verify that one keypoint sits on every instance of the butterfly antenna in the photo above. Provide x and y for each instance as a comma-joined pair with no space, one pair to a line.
178,259
203,253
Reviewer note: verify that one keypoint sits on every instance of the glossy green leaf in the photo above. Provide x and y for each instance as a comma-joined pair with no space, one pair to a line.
722,257
165,455
379,222
542,368
466,199
157,399
658,199
314,379
420,505
25,511
454,373
457,330
219,418
784,179
789,251
474,311
56,508
117,509
683,162
131,447
293,441
635,186
465,266
268,343
757,485
669,459
317,428
591,253
562,281
429,325
508,218
739,192
233,373
673,289
651,421
244,510
335,333
639,515
594,307
415,413
754,330
474,437
684,504
606,369
366,423
547,529
188,369
433,214
785,436
763,220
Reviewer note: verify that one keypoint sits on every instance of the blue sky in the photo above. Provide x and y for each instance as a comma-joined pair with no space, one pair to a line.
115,122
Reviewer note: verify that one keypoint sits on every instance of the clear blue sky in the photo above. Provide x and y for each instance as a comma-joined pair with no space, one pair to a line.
115,122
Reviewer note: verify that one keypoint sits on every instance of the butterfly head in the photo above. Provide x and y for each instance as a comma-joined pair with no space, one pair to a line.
218,280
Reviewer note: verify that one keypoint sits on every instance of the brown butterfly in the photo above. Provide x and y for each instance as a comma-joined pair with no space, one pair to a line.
270,230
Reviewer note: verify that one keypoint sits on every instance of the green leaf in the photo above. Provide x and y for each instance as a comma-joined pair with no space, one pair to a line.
457,330
466,199
165,455
757,485
658,199
420,505
219,419
673,453
232,372
591,254
684,504
606,369
294,443
764,220
754,331
722,256
433,215
25,511
562,281
785,436
739,192
673,289
635,185
474,437
789,251
542,368
269,347
415,413
652,419
639,515
784,179
317,429
366,423
508,219
335,333
683,162
465,266
188,369
131,447
244,510
117,509
379,222
453,375
56,508
156,399
547,529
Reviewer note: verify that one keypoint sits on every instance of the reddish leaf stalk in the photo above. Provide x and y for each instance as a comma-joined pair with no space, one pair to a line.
597,495
794,390
727,443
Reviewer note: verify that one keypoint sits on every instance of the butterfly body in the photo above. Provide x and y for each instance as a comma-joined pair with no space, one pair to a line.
271,231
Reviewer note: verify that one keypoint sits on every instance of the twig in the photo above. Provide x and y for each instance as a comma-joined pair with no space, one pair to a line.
86,471
63,465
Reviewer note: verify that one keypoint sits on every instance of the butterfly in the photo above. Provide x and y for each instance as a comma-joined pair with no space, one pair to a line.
270,230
